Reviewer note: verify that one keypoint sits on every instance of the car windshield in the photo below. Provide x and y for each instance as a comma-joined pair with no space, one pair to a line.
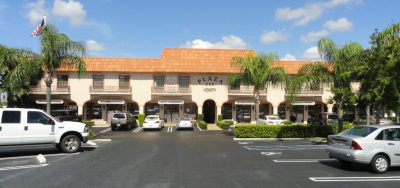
184,118
119,116
151,118
360,131
273,118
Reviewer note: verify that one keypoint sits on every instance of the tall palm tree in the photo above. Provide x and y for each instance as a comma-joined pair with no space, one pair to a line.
337,70
58,50
256,70
17,67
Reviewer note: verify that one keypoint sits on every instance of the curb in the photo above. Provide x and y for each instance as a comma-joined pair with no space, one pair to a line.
270,139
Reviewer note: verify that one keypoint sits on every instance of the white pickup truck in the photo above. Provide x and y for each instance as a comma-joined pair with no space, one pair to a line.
20,126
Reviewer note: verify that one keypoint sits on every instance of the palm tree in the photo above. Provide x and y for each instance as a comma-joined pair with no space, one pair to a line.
17,67
256,70
58,50
337,70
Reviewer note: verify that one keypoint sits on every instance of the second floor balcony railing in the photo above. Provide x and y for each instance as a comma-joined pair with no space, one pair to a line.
42,89
310,91
245,90
171,90
110,90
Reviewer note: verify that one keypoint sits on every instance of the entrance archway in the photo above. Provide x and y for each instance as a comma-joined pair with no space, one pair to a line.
209,111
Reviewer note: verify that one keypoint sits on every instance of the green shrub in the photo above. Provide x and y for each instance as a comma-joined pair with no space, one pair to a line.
219,117
141,119
200,117
287,123
202,124
223,125
92,134
285,131
88,123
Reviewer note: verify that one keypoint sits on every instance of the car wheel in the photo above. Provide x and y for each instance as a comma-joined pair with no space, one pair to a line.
113,128
70,144
379,164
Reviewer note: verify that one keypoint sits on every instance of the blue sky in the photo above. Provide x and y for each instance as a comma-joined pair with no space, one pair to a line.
130,28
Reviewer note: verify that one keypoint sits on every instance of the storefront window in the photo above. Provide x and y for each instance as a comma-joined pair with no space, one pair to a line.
227,111
264,109
123,81
98,81
159,81
152,109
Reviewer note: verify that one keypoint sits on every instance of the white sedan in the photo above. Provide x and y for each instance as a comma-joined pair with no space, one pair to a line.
184,122
153,122
269,120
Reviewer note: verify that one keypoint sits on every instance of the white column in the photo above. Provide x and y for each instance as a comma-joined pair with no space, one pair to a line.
234,112
80,109
199,109
330,108
180,110
275,109
305,115
219,111
287,114
253,114
162,115
141,109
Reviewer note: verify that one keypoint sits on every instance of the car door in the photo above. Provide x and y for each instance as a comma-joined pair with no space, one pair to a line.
11,129
392,144
39,128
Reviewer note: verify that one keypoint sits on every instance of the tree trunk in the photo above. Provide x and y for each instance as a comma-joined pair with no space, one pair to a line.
368,115
48,81
340,118
257,104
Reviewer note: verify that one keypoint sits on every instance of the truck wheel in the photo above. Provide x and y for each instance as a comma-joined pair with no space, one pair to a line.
379,164
70,144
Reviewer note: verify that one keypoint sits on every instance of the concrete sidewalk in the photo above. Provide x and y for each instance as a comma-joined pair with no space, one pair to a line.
213,127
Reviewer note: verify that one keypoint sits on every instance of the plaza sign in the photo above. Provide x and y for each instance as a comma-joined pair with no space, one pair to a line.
210,80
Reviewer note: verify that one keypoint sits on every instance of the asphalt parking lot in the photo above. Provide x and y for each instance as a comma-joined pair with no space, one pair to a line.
187,158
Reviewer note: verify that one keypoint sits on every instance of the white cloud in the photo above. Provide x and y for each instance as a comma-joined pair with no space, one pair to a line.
227,42
71,9
342,24
303,15
94,46
289,57
311,54
314,36
36,11
273,36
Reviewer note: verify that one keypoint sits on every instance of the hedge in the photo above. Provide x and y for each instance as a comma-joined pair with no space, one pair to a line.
89,123
224,124
141,119
200,117
285,131
202,124
219,117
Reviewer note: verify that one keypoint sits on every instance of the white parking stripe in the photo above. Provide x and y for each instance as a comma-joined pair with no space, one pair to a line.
105,130
170,129
302,160
285,147
137,129
354,179
33,156
22,167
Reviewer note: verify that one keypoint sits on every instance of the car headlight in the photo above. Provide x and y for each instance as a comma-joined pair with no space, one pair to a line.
86,129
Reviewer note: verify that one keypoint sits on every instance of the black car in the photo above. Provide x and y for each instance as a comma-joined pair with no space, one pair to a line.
66,115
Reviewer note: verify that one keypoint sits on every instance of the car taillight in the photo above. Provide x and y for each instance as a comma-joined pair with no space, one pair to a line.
157,122
355,146
144,121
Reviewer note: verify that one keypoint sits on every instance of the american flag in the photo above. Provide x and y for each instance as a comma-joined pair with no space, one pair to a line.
39,27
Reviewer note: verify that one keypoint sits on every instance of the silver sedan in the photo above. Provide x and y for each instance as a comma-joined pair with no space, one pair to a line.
184,122
376,145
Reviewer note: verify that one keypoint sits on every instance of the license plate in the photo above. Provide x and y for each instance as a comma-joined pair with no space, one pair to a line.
118,124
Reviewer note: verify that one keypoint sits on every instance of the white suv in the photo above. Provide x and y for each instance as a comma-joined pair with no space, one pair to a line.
19,126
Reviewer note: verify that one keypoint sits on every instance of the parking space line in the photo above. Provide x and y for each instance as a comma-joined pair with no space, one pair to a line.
354,179
22,167
33,156
105,130
302,160
285,147
137,129
170,129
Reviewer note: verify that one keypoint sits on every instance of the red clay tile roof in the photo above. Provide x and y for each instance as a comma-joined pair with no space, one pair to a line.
179,60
